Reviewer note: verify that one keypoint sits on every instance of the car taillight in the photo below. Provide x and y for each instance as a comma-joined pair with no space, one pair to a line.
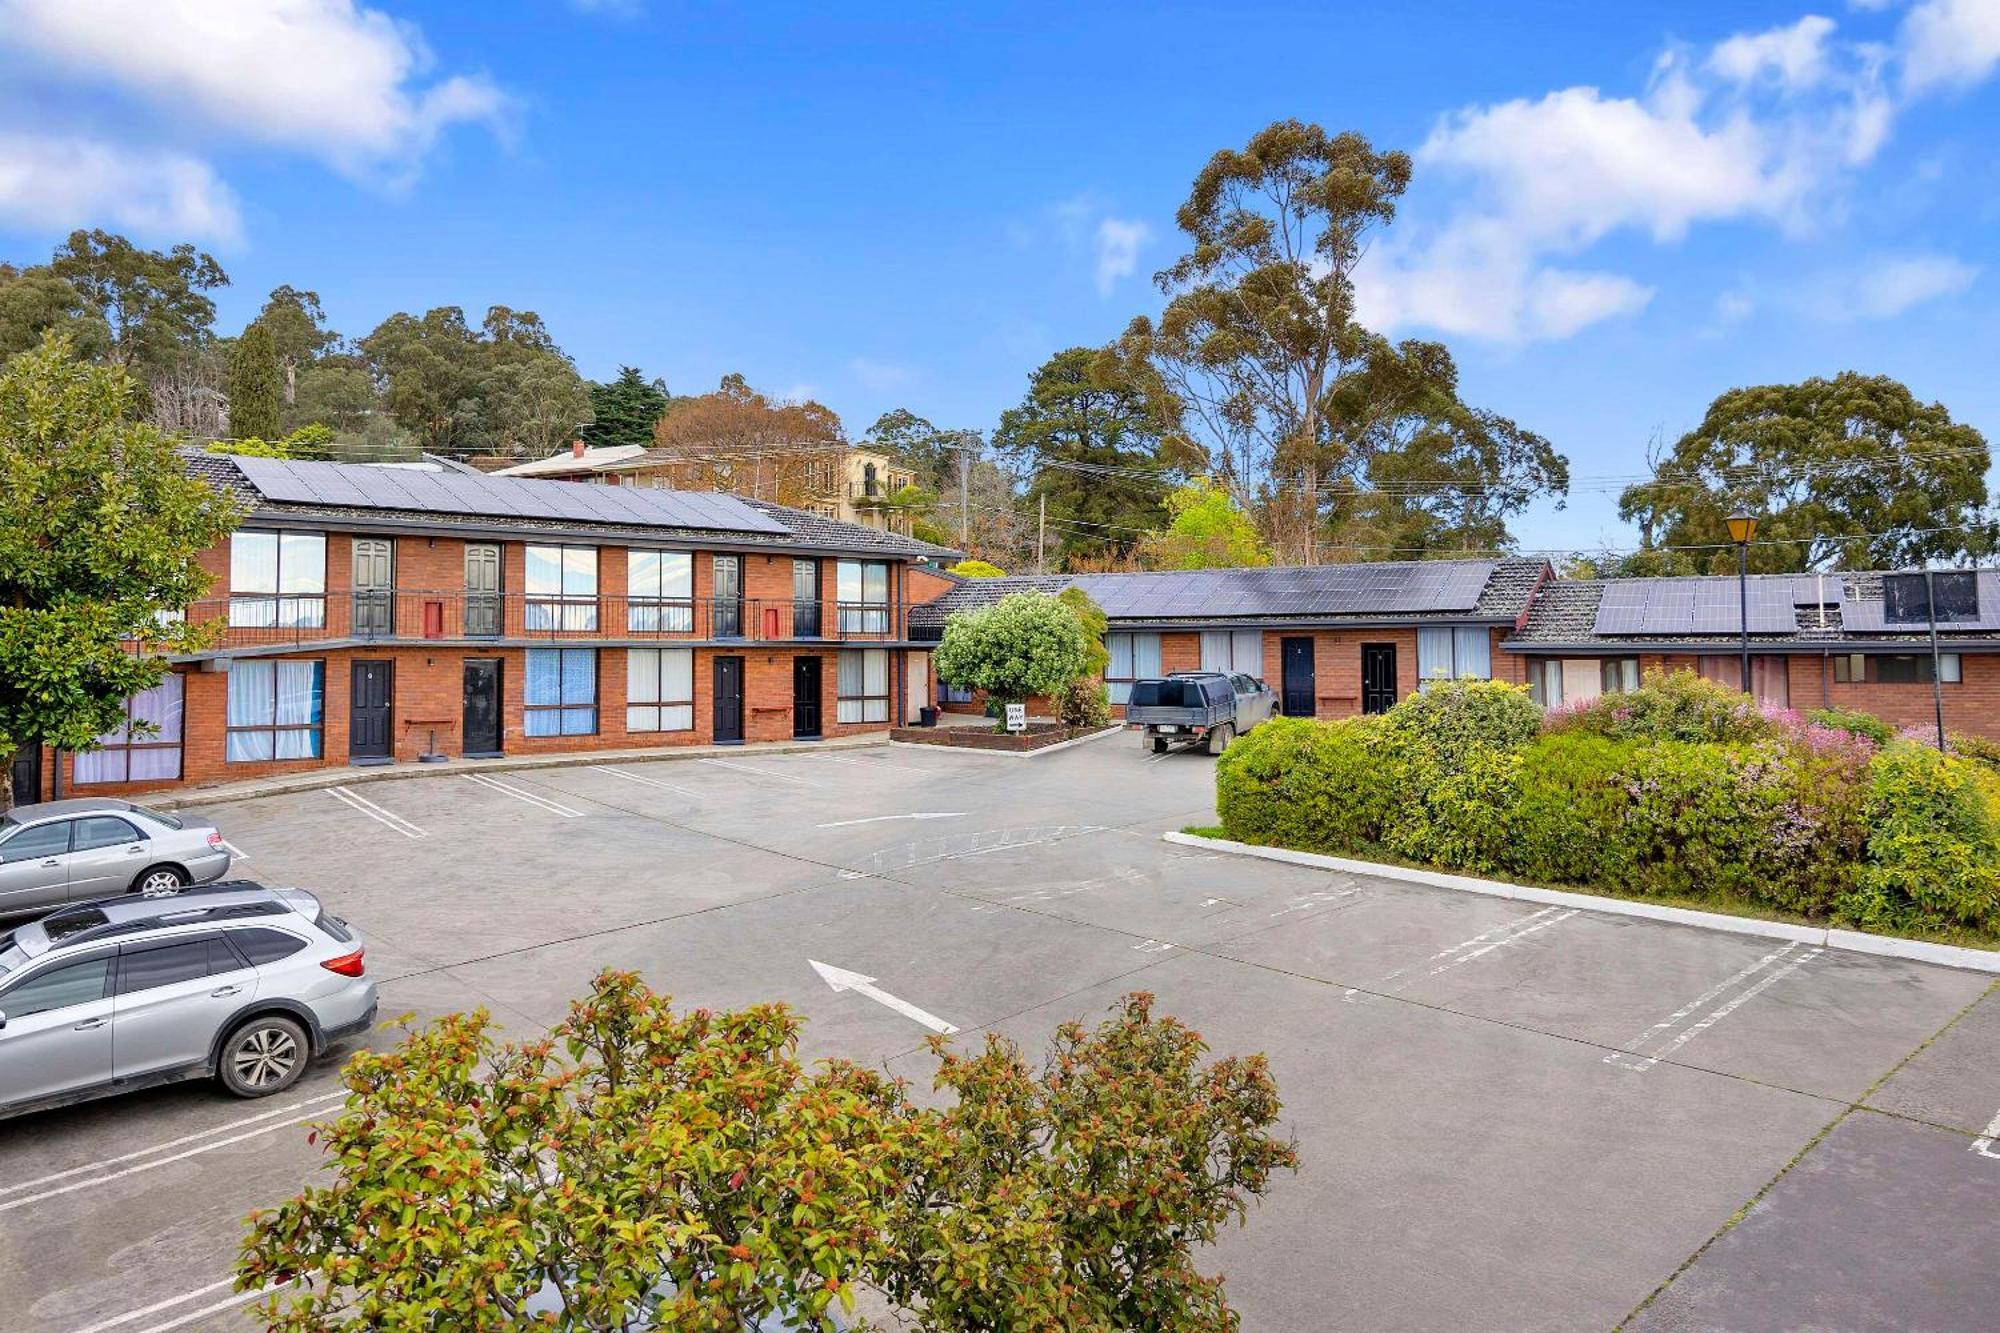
214,838
348,964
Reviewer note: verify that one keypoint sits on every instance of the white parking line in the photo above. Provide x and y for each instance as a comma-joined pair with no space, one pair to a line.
762,772
236,853
182,1321
1514,938
74,1186
641,780
1629,1057
883,819
523,795
1504,933
322,1102
1983,1145
375,812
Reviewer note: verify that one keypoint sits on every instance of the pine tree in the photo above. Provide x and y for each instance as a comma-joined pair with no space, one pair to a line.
625,409
255,386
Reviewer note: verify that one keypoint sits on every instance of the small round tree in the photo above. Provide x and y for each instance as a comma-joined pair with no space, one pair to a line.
1024,645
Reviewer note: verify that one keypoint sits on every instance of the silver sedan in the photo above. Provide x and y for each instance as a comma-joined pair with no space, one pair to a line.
93,847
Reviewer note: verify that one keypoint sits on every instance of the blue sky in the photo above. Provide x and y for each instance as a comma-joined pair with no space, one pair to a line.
1619,210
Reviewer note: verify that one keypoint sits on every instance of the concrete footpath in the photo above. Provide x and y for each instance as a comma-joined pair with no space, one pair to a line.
321,778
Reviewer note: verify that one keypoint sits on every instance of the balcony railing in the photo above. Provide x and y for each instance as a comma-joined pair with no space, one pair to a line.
260,620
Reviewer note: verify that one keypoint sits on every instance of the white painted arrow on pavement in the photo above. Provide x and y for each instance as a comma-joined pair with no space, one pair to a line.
841,979
877,819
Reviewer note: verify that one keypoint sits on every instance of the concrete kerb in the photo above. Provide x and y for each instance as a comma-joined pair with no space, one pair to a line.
321,778
1854,941
1012,754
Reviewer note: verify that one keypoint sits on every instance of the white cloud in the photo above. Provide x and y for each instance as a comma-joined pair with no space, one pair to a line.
1732,308
1895,284
326,77
879,376
1118,241
51,181
1763,127
1949,43
1796,56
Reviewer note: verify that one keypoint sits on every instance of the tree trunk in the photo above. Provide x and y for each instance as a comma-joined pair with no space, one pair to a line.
7,783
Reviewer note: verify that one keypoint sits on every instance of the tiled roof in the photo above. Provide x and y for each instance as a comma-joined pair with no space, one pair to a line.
1564,614
804,531
1289,594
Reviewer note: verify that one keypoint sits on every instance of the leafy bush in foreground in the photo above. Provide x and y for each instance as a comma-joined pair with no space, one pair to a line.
1859,724
641,1168
1671,706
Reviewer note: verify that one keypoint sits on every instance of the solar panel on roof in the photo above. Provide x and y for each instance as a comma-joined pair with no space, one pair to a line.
1384,589
359,486
1874,610
1696,605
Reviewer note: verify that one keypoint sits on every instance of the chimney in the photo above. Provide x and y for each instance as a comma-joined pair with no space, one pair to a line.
576,448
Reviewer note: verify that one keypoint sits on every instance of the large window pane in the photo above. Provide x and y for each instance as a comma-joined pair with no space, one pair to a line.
659,689
660,588
253,562
862,589
560,692
274,710
135,751
862,686
561,588
1473,651
1433,653
277,579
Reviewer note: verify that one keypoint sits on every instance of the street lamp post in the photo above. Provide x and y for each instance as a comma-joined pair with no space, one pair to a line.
1742,531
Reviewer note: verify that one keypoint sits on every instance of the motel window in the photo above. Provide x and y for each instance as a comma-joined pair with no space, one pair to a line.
1895,668
660,585
1239,651
1446,652
861,587
1569,680
1133,657
864,685
561,588
277,580
146,746
560,698
659,689
275,710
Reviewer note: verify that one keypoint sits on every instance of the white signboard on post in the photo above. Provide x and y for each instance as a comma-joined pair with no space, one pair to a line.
1017,717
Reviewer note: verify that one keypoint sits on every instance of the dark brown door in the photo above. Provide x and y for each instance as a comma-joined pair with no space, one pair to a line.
482,591
1378,677
28,774
805,600
374,587
728,699
481,723
1300,687
805,696
370,707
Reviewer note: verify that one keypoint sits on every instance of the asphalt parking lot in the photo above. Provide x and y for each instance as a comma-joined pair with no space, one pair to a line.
1510,1117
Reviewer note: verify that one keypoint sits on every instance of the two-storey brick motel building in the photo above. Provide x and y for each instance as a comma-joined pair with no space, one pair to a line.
371,615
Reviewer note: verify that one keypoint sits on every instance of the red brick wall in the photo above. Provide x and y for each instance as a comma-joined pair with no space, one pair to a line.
1971,705
429,687
926,586
1337,664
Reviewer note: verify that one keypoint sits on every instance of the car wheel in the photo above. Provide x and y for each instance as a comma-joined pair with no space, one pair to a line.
1159,745
160,881
1219,738
264,1056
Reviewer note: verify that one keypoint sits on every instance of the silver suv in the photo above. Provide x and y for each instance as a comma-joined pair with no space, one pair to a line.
232,981
70,851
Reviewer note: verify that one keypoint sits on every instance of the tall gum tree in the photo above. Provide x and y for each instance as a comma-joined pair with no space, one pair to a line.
99,529
1850,472
1267,380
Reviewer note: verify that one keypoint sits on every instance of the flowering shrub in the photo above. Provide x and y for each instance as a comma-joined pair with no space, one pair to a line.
1678,789
1672,706
1861,724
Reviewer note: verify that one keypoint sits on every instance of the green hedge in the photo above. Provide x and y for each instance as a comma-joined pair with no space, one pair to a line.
1675,790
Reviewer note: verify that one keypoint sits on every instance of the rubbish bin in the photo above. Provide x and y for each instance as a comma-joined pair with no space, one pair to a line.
927,717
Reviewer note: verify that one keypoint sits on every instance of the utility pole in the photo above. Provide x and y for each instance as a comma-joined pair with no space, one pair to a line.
965,491
1041,534
1937,674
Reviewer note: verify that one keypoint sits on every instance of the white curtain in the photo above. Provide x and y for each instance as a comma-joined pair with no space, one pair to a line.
252,698
300,701
1473,648
659,689
875,684
1433,653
